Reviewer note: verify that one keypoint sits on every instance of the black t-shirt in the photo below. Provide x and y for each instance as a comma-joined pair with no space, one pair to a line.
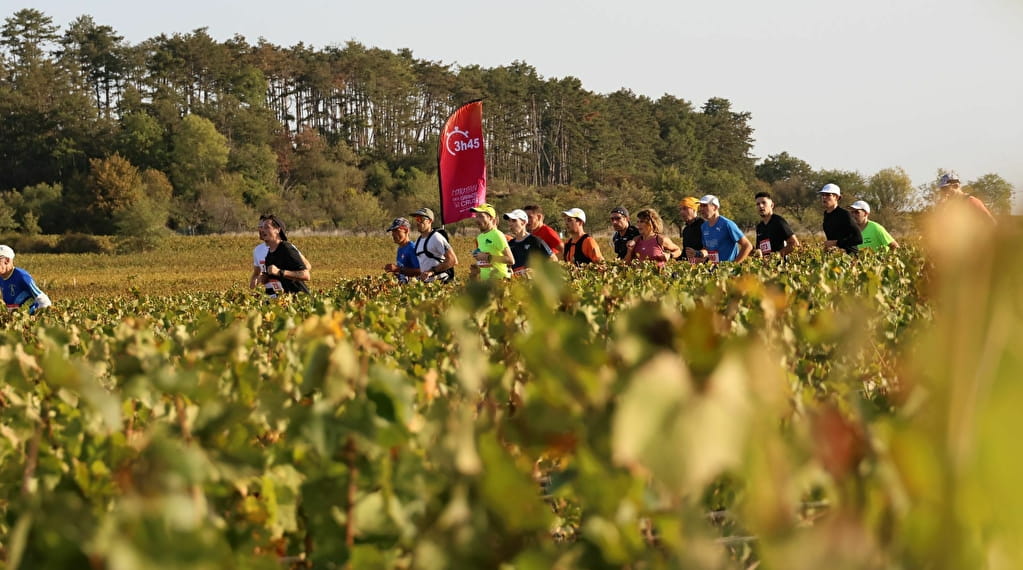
620,242
527,248
692,235
839,226
287,257
771,237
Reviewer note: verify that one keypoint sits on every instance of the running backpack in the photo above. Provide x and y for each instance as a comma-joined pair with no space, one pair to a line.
425,251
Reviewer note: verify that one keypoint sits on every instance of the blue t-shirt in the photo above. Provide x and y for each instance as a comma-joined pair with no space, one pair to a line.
20,289
723,237
407,258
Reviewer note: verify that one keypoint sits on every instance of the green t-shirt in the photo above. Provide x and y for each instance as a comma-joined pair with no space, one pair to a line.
876,237
494,243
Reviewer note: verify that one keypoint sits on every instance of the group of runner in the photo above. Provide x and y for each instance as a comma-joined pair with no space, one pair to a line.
707,236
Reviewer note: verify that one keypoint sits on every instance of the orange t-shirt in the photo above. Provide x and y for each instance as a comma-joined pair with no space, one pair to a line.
589,248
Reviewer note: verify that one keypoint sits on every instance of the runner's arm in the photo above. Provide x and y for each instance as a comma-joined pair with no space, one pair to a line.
791,243
745,247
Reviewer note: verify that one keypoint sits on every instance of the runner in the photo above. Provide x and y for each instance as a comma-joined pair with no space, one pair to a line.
624,232
259,252
437,259
692,233
493,256
19,287
875,237
406,263
580,247
541,230
950,191
285,271
527,248
722,239
840,230
651,244
773,231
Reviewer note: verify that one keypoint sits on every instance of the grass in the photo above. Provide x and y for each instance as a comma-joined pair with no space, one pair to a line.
205,263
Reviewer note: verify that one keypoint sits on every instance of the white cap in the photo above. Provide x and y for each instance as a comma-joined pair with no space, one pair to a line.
517,215
710,199
6,251
860,205
831,189
575,213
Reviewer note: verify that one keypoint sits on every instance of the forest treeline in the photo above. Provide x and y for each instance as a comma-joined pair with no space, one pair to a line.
182,132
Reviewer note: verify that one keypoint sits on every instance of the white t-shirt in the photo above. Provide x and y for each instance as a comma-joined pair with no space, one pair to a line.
436,245
259,256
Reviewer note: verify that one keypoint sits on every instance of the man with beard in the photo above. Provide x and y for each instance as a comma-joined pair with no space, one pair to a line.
535,226
624,231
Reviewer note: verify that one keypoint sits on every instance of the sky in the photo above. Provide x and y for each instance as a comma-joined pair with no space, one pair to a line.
867,85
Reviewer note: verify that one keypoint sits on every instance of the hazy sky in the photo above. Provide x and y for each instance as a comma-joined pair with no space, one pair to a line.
921,84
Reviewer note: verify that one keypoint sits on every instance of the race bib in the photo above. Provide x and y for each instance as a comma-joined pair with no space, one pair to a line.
274,288
765,246
713,256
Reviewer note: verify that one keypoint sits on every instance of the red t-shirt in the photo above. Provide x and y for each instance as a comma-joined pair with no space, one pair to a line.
550,237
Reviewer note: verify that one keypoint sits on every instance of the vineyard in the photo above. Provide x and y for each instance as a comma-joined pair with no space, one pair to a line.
823,411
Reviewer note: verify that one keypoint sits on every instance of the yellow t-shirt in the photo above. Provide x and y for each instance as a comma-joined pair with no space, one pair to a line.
494,243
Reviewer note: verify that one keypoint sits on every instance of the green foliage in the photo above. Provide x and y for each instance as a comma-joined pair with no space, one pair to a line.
733,192
888,192
37,206
82,243
300,126
199,154
116,186
7,212
24,243
360,211
820,411
996,192
783,166
143,140
258,164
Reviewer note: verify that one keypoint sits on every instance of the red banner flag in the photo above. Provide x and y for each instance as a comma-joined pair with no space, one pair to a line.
461,166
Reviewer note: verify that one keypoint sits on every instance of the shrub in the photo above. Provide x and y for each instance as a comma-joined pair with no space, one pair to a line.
83,243
27,243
